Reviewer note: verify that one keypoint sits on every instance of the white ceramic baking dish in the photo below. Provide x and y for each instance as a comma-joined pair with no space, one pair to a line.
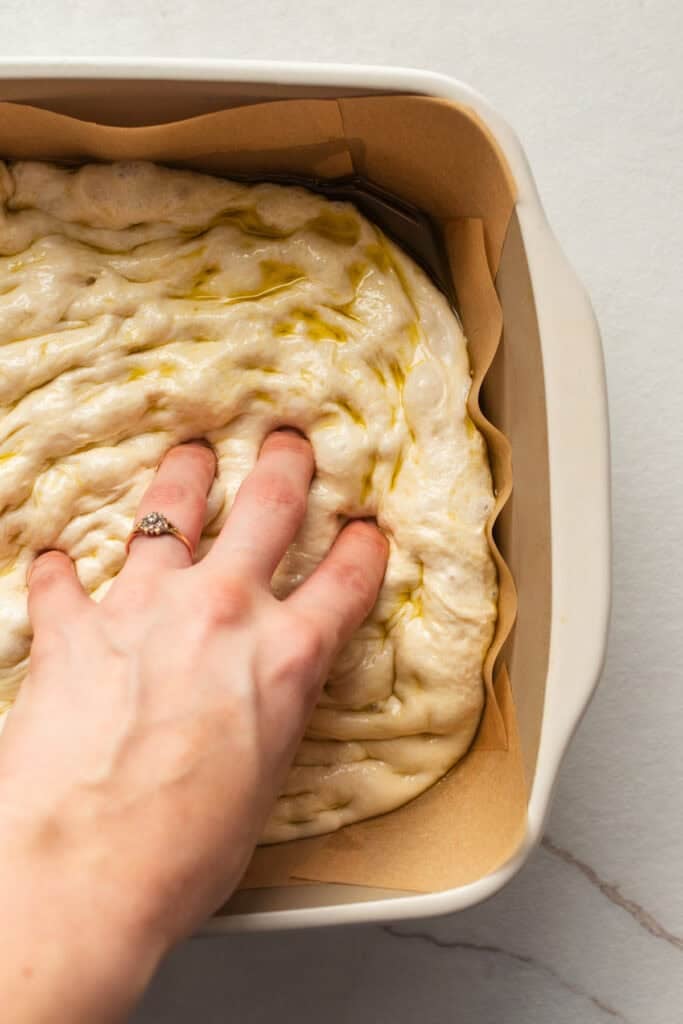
575,410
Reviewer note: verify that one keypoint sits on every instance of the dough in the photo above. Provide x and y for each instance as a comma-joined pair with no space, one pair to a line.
141,306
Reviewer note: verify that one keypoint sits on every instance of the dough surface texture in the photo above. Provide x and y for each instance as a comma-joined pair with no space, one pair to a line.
142,306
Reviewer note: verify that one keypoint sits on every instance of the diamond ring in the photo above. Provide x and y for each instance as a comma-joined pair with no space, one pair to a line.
155,524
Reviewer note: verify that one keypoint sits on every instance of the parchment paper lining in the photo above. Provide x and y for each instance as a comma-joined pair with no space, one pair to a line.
451,169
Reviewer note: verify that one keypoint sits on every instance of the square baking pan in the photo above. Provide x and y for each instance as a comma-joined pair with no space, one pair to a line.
545,390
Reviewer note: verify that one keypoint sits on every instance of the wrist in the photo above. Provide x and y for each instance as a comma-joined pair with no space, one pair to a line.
80,949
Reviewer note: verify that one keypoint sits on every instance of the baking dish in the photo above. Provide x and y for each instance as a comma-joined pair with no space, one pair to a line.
551,402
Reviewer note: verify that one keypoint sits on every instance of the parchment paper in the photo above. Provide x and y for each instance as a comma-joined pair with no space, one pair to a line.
442,159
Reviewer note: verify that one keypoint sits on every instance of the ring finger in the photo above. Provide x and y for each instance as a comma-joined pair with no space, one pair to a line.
178,491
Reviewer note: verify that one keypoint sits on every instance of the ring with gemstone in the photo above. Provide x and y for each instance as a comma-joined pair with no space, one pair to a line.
155,524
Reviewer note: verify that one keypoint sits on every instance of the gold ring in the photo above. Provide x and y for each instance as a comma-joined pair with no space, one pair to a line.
155,524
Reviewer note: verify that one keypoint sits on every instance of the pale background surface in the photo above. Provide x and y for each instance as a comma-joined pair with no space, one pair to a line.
594,91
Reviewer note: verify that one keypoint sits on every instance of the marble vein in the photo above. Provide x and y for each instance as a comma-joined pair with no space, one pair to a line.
520,958
613,893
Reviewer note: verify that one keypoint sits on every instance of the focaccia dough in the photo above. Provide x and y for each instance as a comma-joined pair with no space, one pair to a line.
141,306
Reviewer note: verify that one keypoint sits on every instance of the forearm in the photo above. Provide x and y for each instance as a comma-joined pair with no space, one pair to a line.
71,951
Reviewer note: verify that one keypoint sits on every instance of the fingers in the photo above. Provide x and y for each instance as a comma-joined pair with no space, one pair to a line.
179,491
342,591
54,590
268,510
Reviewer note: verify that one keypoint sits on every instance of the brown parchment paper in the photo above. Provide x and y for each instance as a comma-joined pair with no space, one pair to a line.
439,157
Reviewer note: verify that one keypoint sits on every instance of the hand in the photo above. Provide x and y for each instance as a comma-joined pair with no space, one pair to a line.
154,729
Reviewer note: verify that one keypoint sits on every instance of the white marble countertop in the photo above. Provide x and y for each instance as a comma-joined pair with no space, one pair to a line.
592,930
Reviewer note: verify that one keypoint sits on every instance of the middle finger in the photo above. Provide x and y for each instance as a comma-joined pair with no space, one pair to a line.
268,510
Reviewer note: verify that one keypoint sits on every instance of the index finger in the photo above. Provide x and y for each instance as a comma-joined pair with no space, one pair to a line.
342,591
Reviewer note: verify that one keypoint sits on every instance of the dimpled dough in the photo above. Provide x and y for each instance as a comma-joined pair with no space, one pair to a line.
142,306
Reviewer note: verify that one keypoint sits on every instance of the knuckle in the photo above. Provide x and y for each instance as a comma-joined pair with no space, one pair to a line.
53,636
300,657
43,651
45,642
353,577
48,569
229,600
193,454
279,493
136,596
39,658
167,493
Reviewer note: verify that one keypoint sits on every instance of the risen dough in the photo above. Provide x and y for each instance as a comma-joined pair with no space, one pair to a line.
141,306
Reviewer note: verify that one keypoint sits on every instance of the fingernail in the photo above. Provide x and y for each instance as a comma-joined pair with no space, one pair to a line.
38,554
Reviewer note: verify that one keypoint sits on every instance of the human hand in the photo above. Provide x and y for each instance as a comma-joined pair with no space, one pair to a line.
155,728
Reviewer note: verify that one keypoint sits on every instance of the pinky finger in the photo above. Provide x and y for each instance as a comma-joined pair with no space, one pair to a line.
54,590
